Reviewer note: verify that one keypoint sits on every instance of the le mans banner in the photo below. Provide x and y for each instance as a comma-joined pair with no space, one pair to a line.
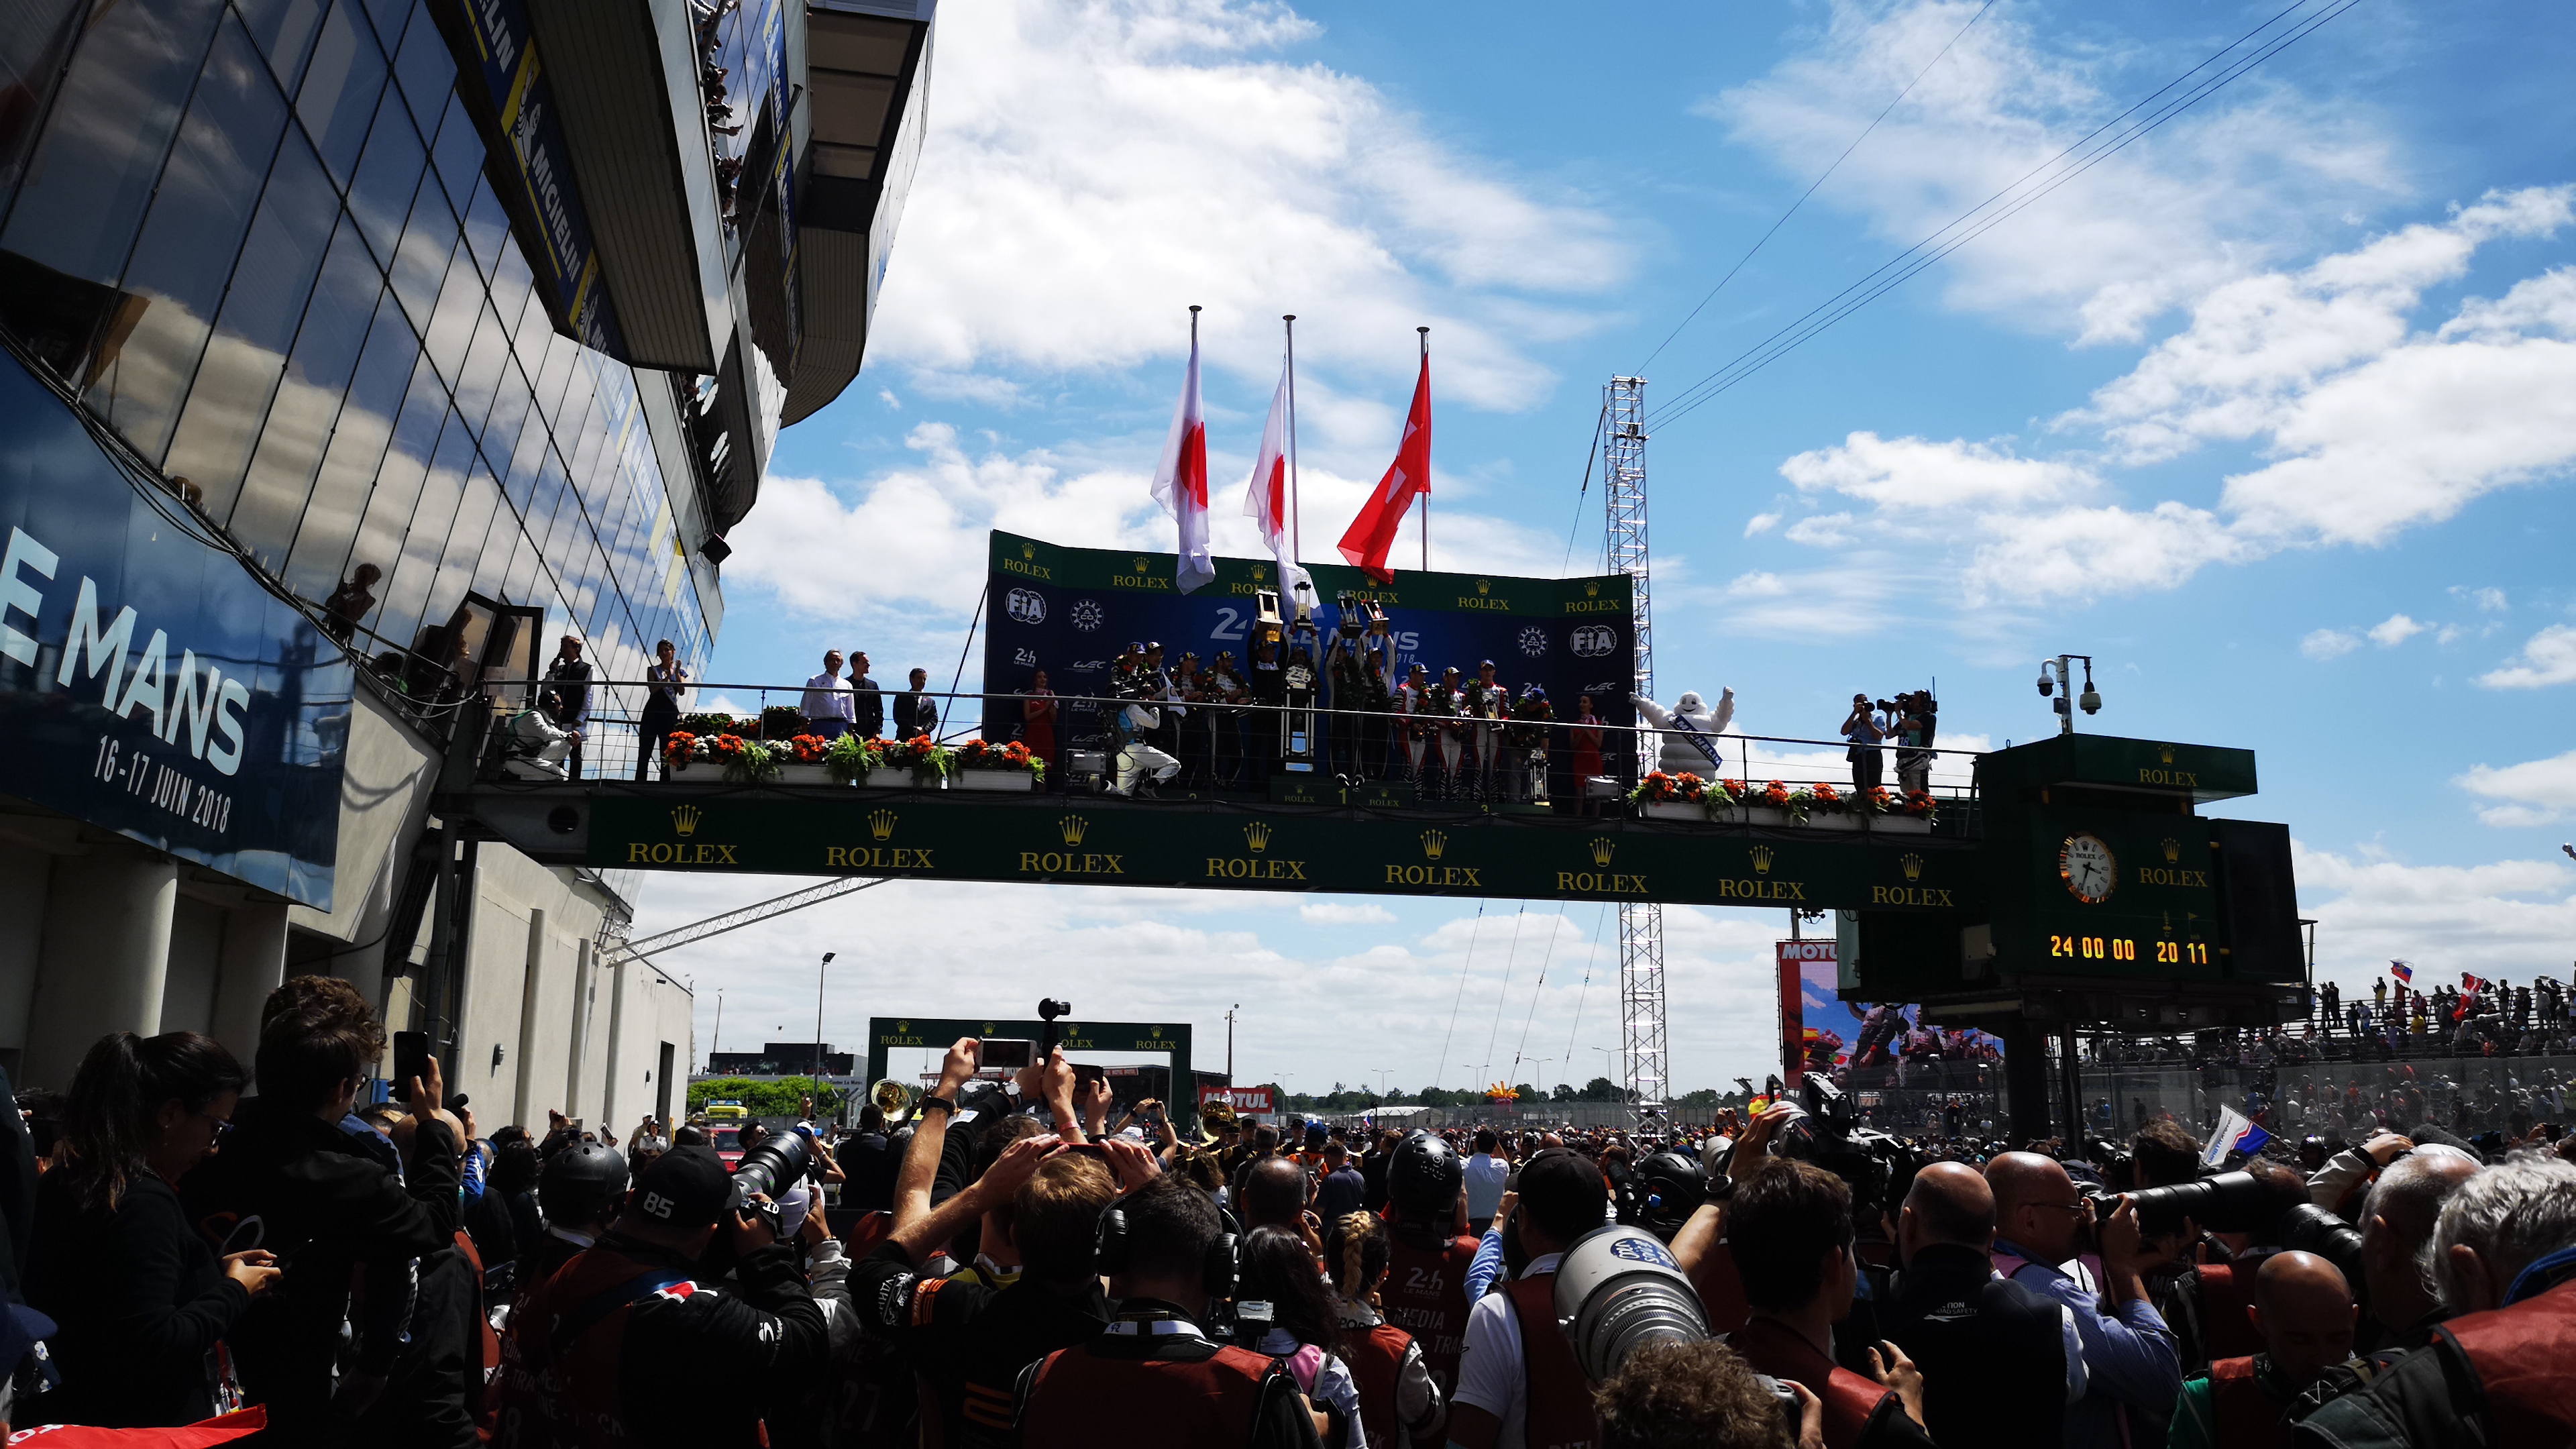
1070,611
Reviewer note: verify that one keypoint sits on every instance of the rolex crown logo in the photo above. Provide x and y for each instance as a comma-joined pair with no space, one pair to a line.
1258,574
903,1028
1433,843
1028,550
1143,563
2165,753
1913,865
2173,850
1601,849
685,820
1484,586
1257,836
881,823
1071,828
1761,860
1592,590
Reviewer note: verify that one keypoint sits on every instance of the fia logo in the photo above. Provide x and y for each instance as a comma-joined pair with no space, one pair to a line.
1593,641
1025,606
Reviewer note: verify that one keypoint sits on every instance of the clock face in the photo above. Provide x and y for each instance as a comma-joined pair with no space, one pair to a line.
2089,869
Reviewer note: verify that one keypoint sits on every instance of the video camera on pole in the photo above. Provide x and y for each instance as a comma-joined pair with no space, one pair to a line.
1304,684
1877,1167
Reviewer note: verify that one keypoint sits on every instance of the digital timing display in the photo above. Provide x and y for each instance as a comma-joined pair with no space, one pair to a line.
2122,948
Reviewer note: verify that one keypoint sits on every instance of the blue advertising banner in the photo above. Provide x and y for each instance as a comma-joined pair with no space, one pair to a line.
1070,611
148,684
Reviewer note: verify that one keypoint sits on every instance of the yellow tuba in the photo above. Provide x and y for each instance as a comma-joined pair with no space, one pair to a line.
1215,1117
894,1099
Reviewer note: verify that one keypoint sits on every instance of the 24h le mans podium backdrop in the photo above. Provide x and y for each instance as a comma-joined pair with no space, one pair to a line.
1070,611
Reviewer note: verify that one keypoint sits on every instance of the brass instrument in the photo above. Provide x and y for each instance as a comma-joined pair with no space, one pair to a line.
894,1099
1215,1117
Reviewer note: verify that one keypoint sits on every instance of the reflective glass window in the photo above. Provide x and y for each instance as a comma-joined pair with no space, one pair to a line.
422,257
511,289
501,431
358,437
149,350
427,72
487,226
340,89
285,31
33,46
388,174
553,371
398,482
261,310
466,535
451,326
91,174
457,152
390,17
480,377
300,417
519,482
425,541
521,581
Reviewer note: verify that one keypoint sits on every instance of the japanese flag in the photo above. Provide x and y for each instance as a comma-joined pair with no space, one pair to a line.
1265,499
1181,483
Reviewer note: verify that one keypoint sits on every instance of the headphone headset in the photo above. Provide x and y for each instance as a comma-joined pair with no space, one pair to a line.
1110,1252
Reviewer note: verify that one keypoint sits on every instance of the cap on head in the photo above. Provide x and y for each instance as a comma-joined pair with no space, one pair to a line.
685,1189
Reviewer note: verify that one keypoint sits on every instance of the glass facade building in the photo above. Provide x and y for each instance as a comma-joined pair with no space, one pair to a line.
334,331
266,244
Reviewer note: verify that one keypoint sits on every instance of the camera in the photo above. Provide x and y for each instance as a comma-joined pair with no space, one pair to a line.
1617,1289
2238,1202
1877,1167
1049,1010
778,1163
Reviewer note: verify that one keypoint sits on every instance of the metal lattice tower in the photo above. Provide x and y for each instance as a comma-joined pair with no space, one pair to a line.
1641,927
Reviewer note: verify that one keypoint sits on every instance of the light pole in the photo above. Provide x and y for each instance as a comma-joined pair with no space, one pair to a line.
818,1018
1382,1074
1229,1044
2052,679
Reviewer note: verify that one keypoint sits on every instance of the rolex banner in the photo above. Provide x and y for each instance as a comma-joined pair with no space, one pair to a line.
1070,611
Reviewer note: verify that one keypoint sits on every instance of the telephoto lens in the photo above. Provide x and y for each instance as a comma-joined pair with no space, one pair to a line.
2308,1228
1618,1288
774,1166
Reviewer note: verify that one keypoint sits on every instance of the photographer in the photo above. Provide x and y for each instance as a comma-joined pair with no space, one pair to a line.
290,1180
1917,716
2305,1314
1679,1395
970,1341
591,1354
2132,1368
1790,1232
1862,729
1518,1381
2000,1362
1427,1256
1156,1378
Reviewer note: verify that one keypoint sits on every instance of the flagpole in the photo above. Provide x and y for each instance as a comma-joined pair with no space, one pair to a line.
1296,514
1426,483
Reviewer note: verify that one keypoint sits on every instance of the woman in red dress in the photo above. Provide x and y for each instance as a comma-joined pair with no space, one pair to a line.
1587,754
1037,729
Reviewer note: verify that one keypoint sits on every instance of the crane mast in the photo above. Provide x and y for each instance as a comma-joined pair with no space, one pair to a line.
1641,926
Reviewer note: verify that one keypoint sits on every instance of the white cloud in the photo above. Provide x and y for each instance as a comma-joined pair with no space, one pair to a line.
2210,196
1091,169
2089,552
1761,523
1911,473
2328,644
2394,630
2548,657
2508,919
2534,792
1336,913
2489,601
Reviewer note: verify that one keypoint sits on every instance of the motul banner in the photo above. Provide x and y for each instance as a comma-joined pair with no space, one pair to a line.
1246,1101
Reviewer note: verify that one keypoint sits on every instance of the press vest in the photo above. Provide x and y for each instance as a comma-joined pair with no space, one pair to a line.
1849,1399
2246,1415
2225,1328
1426,1296
1376,1359
2521,1356
1557,1407
559,1366
1154,1403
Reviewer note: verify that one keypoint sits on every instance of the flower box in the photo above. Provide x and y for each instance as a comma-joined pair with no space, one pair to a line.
796,773
1021,780
1901,825
890,778
1768,815
1695,811
1833,820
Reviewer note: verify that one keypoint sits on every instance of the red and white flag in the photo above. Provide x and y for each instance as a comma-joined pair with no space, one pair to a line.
1372,534
1181,481
1265,497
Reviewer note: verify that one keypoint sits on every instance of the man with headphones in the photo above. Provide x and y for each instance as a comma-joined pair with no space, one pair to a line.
1155,1373
1428,1258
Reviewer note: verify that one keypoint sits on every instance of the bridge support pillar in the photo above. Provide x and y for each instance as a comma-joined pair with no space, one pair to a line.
2026,1080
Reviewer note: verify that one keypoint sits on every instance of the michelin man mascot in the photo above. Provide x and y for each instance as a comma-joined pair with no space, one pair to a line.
1691,731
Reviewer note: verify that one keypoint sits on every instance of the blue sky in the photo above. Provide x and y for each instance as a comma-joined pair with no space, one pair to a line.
2271,412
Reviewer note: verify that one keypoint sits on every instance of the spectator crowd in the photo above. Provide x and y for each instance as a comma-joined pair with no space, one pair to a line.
262,1250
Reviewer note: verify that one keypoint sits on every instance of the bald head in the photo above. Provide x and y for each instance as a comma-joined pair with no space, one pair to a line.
2015,1178
2409,1195
1274,1193
1950,1203
2306,1313
2035,1205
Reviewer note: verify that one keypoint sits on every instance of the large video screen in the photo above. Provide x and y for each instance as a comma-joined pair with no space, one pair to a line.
1069,611
1821,1032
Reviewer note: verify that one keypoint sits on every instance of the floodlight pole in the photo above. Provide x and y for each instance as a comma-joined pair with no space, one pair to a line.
1641,926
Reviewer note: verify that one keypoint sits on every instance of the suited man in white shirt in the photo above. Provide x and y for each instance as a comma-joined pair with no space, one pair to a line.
826,705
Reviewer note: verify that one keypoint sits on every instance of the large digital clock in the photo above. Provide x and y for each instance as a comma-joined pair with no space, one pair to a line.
2089,869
